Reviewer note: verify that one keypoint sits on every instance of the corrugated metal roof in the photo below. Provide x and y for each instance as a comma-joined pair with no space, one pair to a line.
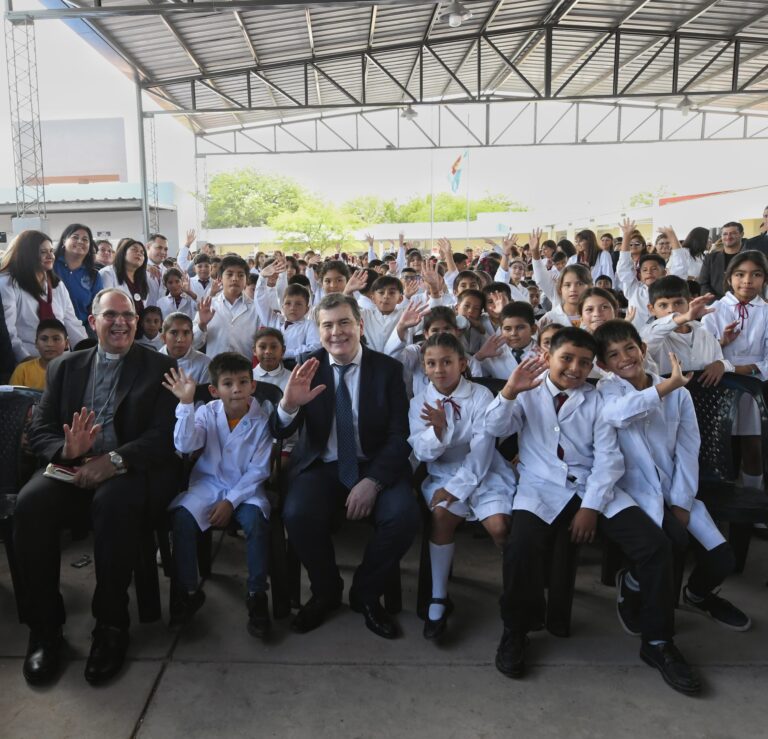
216,49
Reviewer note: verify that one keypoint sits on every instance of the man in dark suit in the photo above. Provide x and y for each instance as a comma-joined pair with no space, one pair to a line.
352,411
760,242
712,276
105,411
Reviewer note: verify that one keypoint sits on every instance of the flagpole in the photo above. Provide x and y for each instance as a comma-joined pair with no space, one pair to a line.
466,158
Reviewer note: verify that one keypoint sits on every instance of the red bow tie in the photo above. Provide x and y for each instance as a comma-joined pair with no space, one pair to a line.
456,407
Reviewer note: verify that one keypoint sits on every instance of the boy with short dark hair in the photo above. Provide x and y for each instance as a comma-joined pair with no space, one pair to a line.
502,352
659,439
200,284
569,466
51,342
227,480
176,301
470,306
177,333
269,350
677,329
635,282
380,320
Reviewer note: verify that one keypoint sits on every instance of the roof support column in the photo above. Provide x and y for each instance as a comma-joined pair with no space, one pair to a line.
142,161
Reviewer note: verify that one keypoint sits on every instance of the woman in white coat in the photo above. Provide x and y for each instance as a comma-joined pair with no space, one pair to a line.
32,291
129,272
468,479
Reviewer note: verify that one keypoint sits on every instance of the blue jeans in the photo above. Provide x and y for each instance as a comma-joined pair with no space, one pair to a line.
186,531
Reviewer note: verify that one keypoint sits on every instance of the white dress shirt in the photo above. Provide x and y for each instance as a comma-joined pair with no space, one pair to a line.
232,328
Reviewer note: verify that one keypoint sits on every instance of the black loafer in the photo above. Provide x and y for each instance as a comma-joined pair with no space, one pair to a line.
435,629
668,660
313,613
377,619
107,656
184,606
258,615
43,659
510,656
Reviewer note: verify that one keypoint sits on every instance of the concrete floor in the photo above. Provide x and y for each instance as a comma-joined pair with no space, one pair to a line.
212,679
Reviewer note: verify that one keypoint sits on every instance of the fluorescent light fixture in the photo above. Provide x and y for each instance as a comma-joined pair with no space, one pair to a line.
456,13
409,113
685,105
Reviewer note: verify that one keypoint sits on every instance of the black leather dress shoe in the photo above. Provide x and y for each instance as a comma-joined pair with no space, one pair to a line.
435,629
43,659
107,656
668,660
313,613
376,618
184,606
510,656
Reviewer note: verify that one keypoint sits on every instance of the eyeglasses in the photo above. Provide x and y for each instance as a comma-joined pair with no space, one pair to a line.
110,316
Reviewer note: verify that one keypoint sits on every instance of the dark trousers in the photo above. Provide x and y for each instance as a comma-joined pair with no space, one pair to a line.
44,507
314,501
642,542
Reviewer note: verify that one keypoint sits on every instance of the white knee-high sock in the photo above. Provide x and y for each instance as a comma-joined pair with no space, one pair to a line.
441,556
752,481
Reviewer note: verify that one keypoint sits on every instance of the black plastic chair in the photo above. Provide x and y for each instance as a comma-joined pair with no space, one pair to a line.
16,466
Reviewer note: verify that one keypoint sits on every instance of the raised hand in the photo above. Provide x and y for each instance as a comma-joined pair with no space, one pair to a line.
435,418
80,435
496,301
445,247
730,333
509,243
190,239
357,281
535,242
298,391
401,238
697,308
432,278
215,287
676,374
412,314
630,314
411,286
526,376
628,227
369,239
181,385
205,312
491,348
274,268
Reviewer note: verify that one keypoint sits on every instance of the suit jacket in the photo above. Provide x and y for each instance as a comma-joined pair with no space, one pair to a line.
382,413
712,277
144,412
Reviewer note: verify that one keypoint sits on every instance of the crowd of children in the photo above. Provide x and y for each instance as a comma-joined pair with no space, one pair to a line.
592,349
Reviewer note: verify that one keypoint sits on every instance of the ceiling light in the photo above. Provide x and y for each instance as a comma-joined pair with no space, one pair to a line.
409,113
685,105
456,12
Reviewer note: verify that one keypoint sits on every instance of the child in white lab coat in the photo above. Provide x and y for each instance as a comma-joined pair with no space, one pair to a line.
502,352
569,465
740,323
177,338
571,284
659,438
227,480
150,323
468,478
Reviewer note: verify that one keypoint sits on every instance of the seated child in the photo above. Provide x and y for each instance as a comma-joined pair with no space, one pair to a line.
502,352
436,320
596,306
677,329
544,335
333,278
148,332
497,295
468,479
269,350
635,281
569,465
740,323
200,284
50,342
386,295
227,480
659,439
571,284
177,344
535,299
470,306
291,317
177,301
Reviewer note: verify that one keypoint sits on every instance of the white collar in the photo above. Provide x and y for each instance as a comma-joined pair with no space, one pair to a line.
555,390
269,373
355,360
731,299
462,391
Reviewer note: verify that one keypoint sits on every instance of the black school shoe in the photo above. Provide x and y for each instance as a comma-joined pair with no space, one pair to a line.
184,605
258,615
720,610
668,660
435,629
108,650
43,659
510,655
628,605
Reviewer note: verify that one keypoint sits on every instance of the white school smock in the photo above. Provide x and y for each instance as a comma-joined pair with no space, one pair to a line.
465,462
682,264
231,329
197,287
187,306
556,315
301,337
157,343
634,291
659,439
21,316
109,279
695,350
194,363
378,327
234,464
546,279
518,292
603,265
504,365
591,451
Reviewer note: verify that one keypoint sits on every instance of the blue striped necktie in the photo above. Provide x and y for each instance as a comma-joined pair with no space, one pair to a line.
346,448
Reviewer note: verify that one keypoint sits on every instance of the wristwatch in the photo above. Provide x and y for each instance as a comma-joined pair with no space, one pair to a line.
117,460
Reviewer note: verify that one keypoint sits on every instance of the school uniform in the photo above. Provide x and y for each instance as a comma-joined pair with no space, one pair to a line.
749,347
233,466
518,292
194,363
634,291
558,315
546,279
659,440
682,264
157,343
186,305
378,327
301,337
505,364
465,461
232,328
570,459
22,315
695,349
603,266
109,279
199,288
472,338
155,284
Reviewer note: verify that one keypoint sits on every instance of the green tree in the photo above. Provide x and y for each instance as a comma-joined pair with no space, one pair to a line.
368,210
649,197
246,197
449,207
314,224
